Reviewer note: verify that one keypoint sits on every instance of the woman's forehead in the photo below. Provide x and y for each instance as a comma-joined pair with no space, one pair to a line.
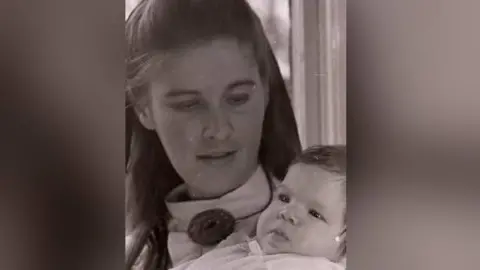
206,63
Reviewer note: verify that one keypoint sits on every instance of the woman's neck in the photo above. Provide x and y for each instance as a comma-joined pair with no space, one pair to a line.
244,200
193,193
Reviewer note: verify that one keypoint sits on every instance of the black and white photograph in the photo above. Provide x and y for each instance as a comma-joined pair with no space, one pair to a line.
213,134
235,134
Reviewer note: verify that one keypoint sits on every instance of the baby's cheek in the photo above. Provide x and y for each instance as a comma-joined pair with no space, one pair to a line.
303,238
307,237
315,241
266,219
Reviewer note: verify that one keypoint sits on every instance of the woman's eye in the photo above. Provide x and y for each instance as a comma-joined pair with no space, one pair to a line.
316,214
284,198
186,105
238,99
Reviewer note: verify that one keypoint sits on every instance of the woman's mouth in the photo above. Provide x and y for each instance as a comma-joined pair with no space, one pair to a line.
217,157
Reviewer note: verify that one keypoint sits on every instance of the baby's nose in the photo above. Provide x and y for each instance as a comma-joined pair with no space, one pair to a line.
289,217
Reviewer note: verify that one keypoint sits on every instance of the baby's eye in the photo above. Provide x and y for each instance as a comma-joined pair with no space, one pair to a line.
314,213
284,198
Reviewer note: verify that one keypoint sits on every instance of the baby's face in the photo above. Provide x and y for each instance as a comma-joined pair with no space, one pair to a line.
306,214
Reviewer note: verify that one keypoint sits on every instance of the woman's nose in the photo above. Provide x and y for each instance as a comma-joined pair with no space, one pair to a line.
217,126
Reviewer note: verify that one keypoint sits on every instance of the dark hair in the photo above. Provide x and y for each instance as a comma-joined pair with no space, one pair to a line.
163,25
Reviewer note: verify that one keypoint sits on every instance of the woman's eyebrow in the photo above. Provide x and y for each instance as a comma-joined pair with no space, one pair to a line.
240,82
181,92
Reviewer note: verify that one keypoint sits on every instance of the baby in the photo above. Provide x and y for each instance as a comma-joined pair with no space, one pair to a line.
304,227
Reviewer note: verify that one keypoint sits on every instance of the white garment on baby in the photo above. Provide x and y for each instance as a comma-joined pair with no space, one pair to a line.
249,256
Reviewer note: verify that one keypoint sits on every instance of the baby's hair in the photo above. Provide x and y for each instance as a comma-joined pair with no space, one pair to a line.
332,158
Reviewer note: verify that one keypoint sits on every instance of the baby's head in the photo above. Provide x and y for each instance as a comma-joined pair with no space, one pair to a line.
308,213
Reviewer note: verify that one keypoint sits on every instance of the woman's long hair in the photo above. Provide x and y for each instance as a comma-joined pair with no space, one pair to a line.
160,26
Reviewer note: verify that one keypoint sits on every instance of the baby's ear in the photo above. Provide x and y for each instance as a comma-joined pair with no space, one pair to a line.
342,248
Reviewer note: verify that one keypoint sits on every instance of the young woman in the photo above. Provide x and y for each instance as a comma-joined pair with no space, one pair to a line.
210,126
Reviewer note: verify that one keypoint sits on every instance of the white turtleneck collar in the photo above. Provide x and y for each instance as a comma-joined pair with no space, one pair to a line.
247,199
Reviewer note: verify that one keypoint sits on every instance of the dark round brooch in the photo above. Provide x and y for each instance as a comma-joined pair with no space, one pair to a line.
210,227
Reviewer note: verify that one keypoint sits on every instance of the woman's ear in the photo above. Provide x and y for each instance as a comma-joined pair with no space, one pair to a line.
145,116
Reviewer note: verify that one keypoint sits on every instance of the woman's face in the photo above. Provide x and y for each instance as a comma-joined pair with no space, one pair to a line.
207,107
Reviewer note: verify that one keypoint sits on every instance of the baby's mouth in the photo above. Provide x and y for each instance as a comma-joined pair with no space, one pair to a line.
280,235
